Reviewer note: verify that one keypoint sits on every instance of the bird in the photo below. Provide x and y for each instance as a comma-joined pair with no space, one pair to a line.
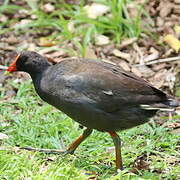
96,94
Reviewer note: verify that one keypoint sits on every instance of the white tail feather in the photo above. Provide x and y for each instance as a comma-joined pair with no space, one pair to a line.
151,107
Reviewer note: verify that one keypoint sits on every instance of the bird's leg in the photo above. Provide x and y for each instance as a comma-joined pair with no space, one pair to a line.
70,149
117,144
78,141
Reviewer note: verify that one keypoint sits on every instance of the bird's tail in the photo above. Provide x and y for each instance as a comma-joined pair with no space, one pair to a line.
172,103
168,105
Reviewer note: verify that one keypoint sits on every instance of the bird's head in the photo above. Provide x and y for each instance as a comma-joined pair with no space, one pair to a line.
28,61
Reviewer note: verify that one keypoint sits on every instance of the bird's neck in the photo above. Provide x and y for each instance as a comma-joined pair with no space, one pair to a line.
38,71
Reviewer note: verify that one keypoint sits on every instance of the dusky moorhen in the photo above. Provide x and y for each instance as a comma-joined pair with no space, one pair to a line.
96,94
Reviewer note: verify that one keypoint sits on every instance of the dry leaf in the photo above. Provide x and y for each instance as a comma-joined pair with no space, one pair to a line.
124,65
145,71
140,163
158,67
127,42
165,8
11,40
159,21
177,29
32,47
48,50
154,55
90,54
120,54
173,125
172,41
101,40
159,78
94,10
3,18
176,9
22,23
48,8
177,1
44,42
140,52
61,52
136,71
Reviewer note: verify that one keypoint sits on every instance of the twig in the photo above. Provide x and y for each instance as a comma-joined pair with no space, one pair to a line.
159,61
47,151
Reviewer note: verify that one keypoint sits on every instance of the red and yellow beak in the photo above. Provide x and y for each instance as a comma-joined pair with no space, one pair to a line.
12,66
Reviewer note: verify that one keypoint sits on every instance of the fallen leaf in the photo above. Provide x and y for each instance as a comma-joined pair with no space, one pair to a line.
124,65
23,23
94,10
140,163
57,54
31,47
11,40
121,54
44,42
173,125
177,1
101,40
159,78
177,29
176,9
145,71
48,50
136,71
127,42
48,8
158,67
3,18
140,52
159,21
154,55
172,41
90,54
165,8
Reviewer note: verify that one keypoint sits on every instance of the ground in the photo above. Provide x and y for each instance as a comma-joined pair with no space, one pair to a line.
141,37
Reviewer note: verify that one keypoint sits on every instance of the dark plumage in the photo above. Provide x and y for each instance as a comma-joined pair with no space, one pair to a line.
96,94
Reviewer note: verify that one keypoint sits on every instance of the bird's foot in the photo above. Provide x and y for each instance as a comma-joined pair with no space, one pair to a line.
48,151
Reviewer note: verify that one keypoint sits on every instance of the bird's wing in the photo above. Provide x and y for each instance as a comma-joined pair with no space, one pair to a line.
109,87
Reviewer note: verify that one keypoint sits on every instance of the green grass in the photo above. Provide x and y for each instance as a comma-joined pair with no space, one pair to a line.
30,122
